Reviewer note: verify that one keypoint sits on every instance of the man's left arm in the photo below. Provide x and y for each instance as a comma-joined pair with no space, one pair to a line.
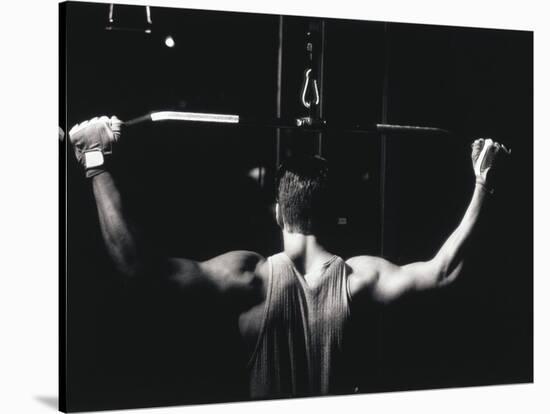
386,281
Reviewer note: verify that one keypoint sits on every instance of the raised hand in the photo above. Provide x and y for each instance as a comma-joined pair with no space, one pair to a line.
484,154
93,142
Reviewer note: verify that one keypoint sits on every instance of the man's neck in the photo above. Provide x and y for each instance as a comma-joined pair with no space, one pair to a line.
304,250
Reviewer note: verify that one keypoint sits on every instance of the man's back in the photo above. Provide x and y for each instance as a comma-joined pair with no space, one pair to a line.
299,330
296,322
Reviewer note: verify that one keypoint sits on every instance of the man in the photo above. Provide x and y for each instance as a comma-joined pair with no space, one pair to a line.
294,307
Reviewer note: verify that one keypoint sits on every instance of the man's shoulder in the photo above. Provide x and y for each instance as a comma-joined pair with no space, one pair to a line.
237,261
365,263
239,270
363,271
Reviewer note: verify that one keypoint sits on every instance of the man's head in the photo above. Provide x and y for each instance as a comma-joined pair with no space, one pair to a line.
303,195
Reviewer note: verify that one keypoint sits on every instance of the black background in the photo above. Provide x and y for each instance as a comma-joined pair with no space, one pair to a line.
189,189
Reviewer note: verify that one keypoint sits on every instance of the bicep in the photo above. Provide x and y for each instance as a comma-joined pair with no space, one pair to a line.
395,281
386,282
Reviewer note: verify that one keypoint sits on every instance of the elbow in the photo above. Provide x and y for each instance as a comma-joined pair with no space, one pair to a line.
441,267
126,262
446,272
124,256
451,274
439,272
129,271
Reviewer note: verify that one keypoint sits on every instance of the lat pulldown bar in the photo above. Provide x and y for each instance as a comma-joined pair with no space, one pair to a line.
300,123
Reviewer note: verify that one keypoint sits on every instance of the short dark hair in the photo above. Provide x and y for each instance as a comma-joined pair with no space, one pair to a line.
303,194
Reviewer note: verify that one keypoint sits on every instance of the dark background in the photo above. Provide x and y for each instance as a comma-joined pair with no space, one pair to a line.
191,190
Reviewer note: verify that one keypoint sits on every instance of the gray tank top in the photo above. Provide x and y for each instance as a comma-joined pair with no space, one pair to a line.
300,342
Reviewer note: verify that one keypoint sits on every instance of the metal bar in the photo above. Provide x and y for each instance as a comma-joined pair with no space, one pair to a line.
185,116
407,128
138,120
321,77
383,139
278,123
194,117
383,168
279,90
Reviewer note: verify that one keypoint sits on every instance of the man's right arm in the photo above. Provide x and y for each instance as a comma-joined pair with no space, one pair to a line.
234,274
93,142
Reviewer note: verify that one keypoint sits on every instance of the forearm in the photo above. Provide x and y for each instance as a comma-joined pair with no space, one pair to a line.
120,239
450,254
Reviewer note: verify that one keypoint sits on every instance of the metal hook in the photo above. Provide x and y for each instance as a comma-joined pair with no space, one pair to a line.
147,17
305,88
